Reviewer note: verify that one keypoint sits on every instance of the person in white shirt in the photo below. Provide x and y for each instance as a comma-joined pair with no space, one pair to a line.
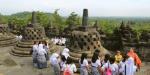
65,52
84,66
128,67
70,66
96,64
105,64
112,66
54,61
17,37
34,53
42,63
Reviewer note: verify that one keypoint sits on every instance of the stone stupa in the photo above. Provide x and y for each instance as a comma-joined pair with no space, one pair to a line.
33,32
6,38
85,39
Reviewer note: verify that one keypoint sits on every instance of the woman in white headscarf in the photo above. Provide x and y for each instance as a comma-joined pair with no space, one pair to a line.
54,60
65,52
34,53
41,58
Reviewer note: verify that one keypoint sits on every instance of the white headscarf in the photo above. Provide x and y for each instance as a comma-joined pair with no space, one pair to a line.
66,52
41,50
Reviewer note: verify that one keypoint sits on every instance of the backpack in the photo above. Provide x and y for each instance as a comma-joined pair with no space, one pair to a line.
67,71
108,70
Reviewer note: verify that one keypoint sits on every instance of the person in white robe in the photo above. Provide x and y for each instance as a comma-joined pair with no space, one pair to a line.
54,61
41,58
128,67
65,52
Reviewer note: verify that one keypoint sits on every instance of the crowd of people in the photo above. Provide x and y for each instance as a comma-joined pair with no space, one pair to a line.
40,54
59,41
62,64
18,37
120,64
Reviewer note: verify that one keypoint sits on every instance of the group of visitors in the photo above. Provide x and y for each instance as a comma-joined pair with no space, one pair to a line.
59,40
40,54
120,64
18,37
64,65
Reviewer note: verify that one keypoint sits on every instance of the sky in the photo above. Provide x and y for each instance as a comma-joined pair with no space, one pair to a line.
137,8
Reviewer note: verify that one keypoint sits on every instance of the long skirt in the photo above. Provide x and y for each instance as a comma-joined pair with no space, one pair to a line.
83,71
56,69
35,62
95,71
42,65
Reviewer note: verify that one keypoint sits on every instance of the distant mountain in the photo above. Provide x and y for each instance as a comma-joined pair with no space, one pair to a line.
26,14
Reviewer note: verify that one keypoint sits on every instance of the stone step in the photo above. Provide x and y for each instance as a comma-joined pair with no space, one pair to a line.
22,49
24,46
78,55
8,42
20,55
20,52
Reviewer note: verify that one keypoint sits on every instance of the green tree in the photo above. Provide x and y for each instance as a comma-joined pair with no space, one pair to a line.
42,18
73,19
57,20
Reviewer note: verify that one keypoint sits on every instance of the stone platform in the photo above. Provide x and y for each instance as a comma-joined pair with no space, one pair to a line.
7,40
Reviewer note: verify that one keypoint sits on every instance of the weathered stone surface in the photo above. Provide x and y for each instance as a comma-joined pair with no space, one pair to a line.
84,39
6,38
33,32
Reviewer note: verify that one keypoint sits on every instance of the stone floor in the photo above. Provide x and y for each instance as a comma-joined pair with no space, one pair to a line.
13,65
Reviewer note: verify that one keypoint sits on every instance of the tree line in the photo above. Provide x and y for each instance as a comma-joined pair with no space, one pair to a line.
107,24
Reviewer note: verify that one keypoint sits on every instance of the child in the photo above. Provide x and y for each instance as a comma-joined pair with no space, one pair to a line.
96,64
114,66
69,67
84,66
118,57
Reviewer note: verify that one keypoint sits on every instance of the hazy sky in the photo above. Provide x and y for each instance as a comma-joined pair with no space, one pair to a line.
96,7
